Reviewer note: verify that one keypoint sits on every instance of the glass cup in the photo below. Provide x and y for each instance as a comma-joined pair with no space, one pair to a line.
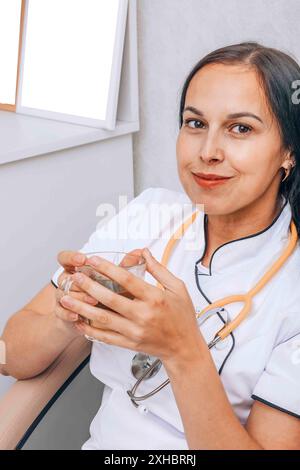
132,262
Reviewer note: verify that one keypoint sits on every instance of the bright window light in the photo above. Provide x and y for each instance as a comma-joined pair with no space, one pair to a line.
10,15
68,58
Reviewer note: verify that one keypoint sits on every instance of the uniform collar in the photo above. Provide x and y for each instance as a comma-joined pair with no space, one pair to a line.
259,244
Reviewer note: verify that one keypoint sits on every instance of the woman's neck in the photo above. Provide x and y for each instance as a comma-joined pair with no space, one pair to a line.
242,223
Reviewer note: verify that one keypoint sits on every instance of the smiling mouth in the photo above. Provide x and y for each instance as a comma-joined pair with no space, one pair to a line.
211,176
209,183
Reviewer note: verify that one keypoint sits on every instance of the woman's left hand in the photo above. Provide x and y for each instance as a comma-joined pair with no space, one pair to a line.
159,322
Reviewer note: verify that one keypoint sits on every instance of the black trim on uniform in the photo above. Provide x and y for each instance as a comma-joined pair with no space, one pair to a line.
237,239
52,282
197,274
219,315
255,397
46,408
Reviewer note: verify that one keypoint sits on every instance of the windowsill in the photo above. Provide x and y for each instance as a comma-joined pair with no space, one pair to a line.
27,136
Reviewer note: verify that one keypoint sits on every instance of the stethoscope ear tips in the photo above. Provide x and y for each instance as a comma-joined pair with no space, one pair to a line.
212,313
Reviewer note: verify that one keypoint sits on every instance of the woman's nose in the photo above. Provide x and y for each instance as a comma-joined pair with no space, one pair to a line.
211,148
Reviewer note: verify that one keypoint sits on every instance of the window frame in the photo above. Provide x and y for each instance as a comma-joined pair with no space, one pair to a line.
110,120
30,136
7,106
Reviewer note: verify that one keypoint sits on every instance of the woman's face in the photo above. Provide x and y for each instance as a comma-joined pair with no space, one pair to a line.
246,148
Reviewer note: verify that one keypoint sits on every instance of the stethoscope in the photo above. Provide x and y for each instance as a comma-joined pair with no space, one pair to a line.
145,366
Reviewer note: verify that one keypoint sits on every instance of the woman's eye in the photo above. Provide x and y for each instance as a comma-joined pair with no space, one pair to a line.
196,124
188,121
242,129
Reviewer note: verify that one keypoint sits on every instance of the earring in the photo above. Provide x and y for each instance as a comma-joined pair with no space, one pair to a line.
287,170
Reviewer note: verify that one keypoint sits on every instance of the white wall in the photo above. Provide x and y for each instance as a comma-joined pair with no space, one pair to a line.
172,36
47,204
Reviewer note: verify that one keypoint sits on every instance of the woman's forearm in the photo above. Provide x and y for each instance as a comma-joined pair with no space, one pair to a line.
207,415
32,342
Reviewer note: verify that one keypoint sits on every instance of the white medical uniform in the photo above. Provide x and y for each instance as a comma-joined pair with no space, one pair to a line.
260,360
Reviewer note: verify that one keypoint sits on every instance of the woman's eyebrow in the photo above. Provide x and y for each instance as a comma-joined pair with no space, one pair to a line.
229,116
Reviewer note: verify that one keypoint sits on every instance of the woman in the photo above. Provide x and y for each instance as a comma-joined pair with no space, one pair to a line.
237,121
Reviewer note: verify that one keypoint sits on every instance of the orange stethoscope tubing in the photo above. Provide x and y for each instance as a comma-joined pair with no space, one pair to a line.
229,327
246,298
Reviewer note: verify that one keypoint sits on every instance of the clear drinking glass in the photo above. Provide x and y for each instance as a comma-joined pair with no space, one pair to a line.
132,262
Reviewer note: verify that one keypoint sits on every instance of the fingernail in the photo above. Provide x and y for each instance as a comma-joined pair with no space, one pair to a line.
79,258
67,300
78,277
90,300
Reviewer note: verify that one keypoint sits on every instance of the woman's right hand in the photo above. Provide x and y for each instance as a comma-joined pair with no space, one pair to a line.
69,260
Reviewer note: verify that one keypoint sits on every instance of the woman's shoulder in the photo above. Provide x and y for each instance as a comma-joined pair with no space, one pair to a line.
154,210
286,296
138,221
161,195
291,272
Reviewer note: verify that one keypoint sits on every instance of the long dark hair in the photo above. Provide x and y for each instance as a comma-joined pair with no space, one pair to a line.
277,72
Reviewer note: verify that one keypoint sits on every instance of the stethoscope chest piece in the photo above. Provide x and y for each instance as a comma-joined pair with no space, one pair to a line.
142,362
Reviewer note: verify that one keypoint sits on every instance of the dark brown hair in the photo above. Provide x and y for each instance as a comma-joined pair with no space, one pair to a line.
277,72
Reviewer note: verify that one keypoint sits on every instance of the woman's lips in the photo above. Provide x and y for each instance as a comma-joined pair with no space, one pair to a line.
205,183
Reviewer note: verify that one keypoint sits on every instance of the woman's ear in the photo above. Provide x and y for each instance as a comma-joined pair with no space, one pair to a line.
289,160
292,161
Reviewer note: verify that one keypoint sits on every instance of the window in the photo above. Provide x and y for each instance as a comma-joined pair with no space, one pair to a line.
10,36
70,59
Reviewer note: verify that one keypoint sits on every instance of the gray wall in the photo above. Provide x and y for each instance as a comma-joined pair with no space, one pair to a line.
48,204
172,36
